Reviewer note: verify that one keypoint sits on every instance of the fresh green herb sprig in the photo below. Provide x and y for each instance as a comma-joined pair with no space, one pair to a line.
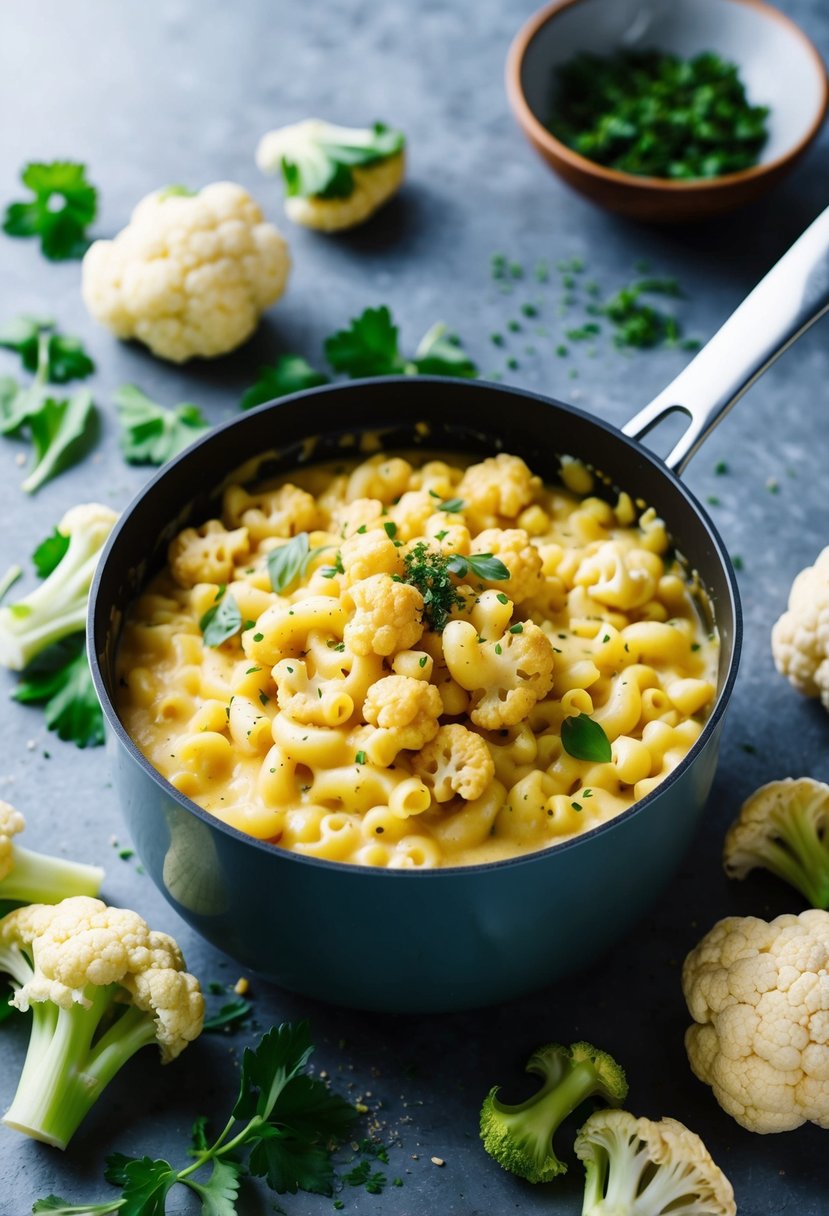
63,205
59,429
152,434
288,374
60,681
429,573
369,347
282,1128
584,739
290,561
229,1016
653,114
223,619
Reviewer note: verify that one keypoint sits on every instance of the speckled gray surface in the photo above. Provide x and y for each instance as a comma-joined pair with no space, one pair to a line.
180,92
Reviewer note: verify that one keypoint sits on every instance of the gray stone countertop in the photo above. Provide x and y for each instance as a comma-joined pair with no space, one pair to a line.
180,92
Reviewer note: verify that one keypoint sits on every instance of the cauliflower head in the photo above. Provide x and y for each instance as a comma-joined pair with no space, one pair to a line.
758,992
81,944
207,554
507,677
637,1166
11,824
520,556
335,177
190,274
800,638
405,712
456,761
386,618
784,827
500,487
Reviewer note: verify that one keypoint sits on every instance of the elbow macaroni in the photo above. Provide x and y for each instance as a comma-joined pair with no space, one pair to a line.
336,724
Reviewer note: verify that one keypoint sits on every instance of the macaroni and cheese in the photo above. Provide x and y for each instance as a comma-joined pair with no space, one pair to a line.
371,663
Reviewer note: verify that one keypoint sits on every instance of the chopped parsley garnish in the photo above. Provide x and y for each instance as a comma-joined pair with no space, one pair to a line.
501,598
651,113
360,758
423,660
519,628
430,574
451,505
390,529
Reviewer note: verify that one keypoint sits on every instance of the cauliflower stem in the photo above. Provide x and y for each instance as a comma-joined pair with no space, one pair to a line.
57,607
69,1061
29,877
519,1137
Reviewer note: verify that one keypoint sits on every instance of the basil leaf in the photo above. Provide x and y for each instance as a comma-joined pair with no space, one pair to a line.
222,621
451,505
488,567
585,739
286,563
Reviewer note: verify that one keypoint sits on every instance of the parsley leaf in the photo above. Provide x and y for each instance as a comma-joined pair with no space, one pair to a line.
292,1123
288,374
63,207
229,1015
319,159
222,620
61,679
369,347
221,1191
59,431
49,553
585,739
152,434
66,358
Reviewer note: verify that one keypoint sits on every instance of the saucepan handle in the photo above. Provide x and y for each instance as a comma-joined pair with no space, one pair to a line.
793,295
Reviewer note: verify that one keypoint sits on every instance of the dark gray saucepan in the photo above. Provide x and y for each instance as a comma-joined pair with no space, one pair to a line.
454,938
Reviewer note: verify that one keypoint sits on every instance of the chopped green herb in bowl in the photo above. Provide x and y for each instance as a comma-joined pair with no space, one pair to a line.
654,114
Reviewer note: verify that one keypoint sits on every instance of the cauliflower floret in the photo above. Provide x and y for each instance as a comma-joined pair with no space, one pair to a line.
506,677
369,553
759,995
800,639
618,578
636,1165
311,699
387,616
497,488
207,554
411,514
520,556
405,712
190,274
11,824
456,761
90,970
282,512
349,517
335,177
784,827
382,477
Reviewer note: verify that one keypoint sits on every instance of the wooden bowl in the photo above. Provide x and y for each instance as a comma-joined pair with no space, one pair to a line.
778,64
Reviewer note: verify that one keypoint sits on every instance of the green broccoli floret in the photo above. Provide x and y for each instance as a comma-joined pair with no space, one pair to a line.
57,608
101,985
635,1167
784,827
520,1137
35,878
